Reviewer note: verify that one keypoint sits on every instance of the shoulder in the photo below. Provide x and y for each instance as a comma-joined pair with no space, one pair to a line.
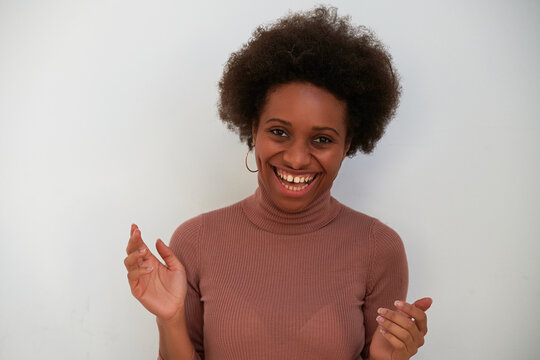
222,214
373,226
384,248
377,225
380,235
188,228
191,228
381,232
386,245
353,216
185,239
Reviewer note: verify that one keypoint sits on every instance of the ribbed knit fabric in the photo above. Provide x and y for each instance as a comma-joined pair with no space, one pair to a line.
265,284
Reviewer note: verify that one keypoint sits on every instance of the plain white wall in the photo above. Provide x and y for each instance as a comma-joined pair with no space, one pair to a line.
108,117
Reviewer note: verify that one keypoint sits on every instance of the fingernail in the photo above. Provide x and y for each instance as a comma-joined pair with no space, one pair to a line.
380,319
142,250
382,330
150,268
382,311
398,303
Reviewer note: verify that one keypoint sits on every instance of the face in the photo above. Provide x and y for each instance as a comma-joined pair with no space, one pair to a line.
300,143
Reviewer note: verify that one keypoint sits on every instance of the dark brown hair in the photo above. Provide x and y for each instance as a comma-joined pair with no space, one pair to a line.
321,48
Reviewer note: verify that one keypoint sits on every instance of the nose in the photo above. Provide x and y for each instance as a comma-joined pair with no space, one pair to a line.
297,156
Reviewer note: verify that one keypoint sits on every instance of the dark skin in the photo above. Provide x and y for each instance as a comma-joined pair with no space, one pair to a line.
403,329
301,133
161,289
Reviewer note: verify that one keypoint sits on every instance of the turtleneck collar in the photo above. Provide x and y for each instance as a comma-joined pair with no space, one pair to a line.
261,211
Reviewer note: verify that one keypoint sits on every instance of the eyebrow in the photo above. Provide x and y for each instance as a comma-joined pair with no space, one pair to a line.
316,128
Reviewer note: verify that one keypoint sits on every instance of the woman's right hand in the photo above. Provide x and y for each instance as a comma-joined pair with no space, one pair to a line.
161,289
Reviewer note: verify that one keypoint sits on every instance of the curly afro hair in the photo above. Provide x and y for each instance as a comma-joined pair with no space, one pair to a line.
321,48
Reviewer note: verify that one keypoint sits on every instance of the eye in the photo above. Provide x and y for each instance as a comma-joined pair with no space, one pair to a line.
323,140
278,132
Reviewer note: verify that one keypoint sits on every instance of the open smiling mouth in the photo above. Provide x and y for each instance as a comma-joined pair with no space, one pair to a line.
294,182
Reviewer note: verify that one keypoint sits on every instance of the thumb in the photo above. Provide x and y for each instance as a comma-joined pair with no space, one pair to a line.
168,256
424,303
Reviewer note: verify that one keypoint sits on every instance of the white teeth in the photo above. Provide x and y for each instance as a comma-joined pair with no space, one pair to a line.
295,179
304,180
294,188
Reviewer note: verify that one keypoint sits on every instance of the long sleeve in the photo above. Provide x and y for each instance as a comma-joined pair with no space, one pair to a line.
388,276
265,284
185,245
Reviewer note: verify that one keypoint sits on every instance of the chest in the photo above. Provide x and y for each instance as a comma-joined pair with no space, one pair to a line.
299,299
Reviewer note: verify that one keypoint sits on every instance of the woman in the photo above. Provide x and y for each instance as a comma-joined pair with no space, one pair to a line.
289,272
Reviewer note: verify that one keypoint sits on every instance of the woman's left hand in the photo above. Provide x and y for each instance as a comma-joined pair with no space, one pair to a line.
404,329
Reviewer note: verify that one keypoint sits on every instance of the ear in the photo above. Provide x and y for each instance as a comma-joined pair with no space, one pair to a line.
253,132
347,147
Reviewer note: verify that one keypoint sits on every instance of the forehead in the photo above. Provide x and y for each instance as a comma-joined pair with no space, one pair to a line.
304,104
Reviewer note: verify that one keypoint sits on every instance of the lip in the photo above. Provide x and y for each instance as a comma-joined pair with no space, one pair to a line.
294,193
294,172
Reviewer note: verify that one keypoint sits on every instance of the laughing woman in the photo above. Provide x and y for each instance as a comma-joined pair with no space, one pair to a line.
289,272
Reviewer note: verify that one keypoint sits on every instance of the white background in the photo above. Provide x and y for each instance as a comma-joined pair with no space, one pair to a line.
108,116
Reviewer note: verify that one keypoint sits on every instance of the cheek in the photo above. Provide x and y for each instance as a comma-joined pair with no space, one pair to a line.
265,150
333,164
261,156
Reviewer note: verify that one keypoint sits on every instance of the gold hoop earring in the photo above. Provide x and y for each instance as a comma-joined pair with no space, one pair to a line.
245,161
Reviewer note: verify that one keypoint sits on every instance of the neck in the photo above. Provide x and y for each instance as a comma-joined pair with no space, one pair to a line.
264,213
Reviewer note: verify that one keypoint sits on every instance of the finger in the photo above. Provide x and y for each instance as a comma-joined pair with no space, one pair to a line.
133,227
134,259
135,241
394,341
131,243
423,304
419,316
403,334
405,322
134,275
168,256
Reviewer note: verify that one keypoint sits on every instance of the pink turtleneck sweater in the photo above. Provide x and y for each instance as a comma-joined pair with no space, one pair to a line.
265,284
